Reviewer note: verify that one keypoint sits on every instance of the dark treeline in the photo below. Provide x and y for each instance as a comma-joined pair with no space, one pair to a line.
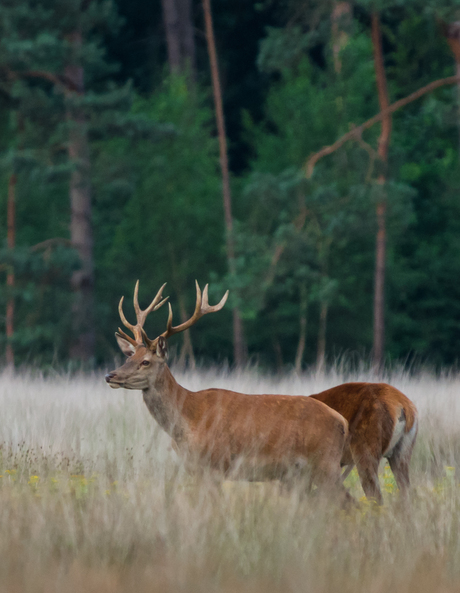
110,171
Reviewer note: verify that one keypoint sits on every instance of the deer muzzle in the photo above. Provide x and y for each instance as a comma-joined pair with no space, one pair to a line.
111,380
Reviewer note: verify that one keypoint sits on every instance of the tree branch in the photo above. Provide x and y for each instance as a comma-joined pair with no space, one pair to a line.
51,243
356,132
279,250
59,81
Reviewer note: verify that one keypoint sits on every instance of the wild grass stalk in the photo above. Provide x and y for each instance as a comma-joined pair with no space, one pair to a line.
92,498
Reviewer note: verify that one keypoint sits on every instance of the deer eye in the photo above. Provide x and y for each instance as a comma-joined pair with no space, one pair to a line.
145,363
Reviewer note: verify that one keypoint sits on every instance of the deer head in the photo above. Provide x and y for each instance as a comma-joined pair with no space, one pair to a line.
146,357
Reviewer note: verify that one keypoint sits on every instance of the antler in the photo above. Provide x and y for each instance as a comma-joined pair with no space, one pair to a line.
202,307
141,315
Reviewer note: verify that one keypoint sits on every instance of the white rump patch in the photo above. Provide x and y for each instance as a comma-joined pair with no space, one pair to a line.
408,438
398,433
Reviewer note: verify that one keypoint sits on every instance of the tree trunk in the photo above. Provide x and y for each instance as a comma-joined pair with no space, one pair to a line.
172,29
186,352
452,33
380,251
239,346
457,72
341,23
188,37
379,287
11,241
240,354
321,351
81,232
180,38
278,353
302,329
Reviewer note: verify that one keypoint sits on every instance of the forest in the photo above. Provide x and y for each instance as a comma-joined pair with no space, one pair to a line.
303,154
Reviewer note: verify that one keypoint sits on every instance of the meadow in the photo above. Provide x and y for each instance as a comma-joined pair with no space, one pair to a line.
92,498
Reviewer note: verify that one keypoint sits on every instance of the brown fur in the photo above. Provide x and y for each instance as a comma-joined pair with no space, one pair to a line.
373,411
236,435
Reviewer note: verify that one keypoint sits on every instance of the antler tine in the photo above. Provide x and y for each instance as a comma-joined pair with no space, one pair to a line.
134,328
122,315
202,307
154,305
199,301
214,308
141,315
170,330
169,325
126,337
148,342
137,309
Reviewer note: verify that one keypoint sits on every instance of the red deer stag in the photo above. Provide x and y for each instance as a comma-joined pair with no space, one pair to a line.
238,436
384,425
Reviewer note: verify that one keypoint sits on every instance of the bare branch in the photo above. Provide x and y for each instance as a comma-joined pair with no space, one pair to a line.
62,82
356,132
51,243
298,224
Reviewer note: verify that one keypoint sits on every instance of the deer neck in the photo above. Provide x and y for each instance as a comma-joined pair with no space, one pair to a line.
165,399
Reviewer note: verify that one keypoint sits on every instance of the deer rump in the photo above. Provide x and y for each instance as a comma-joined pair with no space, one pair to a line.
263,437
382,423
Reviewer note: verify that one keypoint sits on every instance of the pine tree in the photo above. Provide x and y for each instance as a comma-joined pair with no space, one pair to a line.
53,66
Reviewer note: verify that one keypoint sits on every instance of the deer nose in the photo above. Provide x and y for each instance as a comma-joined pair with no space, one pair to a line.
110,376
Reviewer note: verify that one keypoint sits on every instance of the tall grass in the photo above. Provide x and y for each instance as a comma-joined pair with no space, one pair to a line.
92,498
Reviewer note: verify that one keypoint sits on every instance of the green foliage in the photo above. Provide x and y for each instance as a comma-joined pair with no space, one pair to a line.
41,294
309,106
294,86
36,46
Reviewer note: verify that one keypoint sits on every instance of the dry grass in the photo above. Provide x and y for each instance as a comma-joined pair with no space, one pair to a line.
93,499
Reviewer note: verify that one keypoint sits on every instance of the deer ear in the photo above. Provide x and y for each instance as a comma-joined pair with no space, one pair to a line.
162,348
126,347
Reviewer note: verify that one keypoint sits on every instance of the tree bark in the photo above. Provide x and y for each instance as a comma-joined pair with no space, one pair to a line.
188,37
81,232
186,355
278,353
457,72
180,38
302,329
186,351
239,346
11,242
382,151
321,351
341,21
172,29
452,33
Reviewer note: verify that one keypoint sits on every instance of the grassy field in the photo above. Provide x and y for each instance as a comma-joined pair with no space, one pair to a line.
92,498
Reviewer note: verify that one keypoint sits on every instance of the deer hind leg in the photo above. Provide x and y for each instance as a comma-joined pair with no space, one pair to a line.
367,464
400,459
347,472
400,467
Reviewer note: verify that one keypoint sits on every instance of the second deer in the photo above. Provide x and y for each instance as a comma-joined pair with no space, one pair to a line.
385,425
